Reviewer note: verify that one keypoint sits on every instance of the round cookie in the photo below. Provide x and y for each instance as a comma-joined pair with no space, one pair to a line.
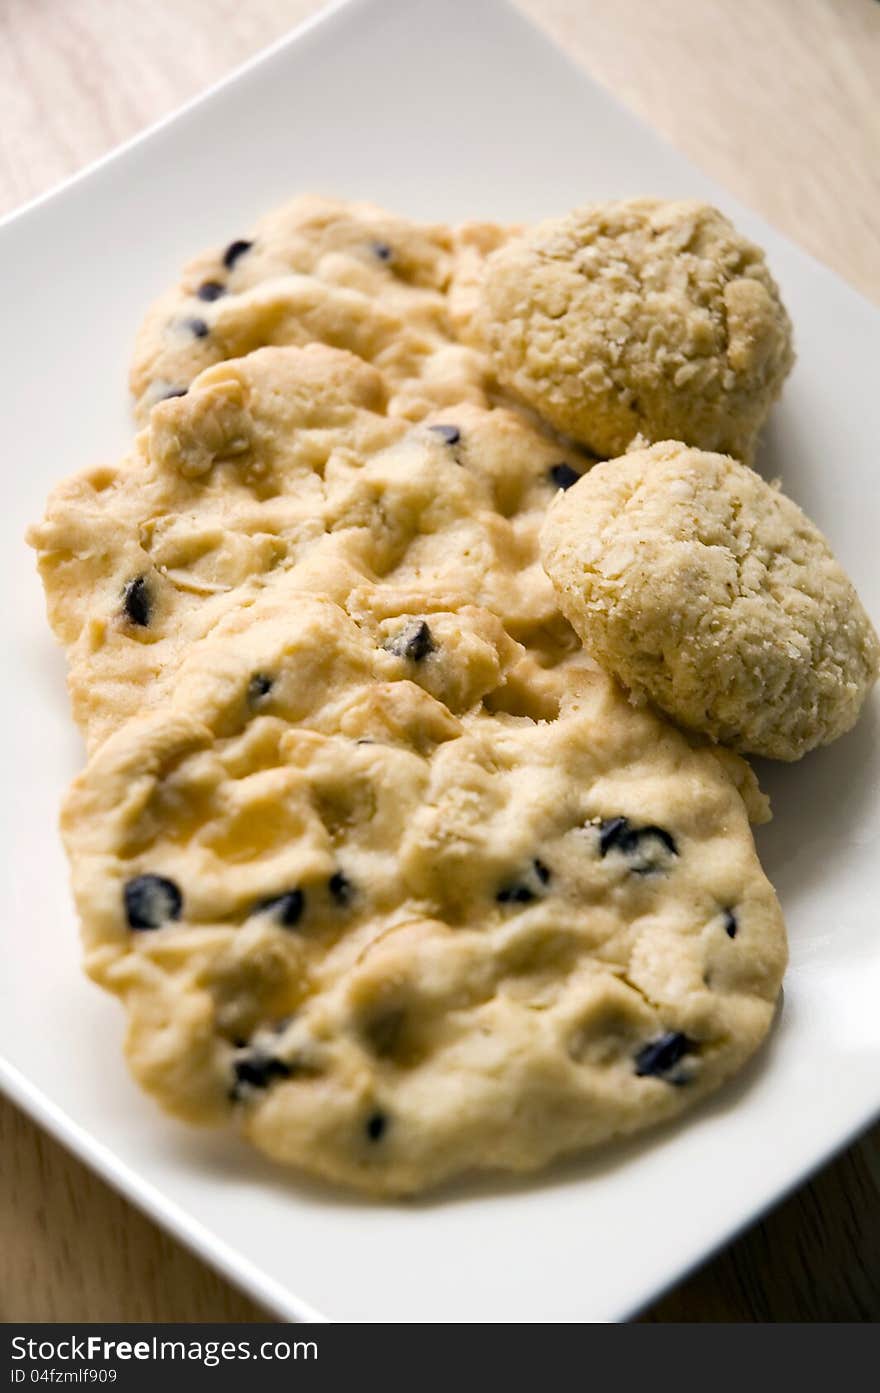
707,591
317,270
287,453
643,318
398,932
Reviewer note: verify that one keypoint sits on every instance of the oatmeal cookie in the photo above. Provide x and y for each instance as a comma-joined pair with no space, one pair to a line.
642,318
706,590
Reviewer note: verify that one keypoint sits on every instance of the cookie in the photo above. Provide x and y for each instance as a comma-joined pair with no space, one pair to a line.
707,591
639,318
473,243
348,275
404,904
268,459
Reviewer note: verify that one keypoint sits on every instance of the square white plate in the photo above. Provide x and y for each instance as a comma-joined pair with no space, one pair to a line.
442,112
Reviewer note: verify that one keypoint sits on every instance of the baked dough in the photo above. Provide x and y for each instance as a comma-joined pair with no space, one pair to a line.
398,932
287,453
318,270
384,867
639,318
707,591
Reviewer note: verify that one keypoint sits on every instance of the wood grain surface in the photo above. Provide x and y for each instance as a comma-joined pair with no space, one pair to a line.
778,100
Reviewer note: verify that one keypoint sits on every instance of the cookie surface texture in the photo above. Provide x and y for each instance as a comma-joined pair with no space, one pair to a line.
285,454
317,270
709,592
642,318
397,931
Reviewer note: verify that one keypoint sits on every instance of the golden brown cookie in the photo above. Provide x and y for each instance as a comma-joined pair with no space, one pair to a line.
706,590
643,318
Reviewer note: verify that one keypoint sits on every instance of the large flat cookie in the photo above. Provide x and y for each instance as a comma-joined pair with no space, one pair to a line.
285,454
404,904
319,270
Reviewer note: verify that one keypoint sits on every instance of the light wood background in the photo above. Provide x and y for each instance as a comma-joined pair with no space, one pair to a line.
779,100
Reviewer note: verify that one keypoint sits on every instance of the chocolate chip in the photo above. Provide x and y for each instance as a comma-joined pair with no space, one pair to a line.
257,1070
376,1126
414,642
614,832
563,476
515,894
197,327
210,290
286,909
138,602
151,901
617,834
659,1056
340,888
259,686
382,251
173,392
234,251
730,924
522,891
450,435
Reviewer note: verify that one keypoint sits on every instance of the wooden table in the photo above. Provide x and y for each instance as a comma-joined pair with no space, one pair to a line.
778,99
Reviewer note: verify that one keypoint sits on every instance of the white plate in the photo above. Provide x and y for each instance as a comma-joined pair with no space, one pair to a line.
443,112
